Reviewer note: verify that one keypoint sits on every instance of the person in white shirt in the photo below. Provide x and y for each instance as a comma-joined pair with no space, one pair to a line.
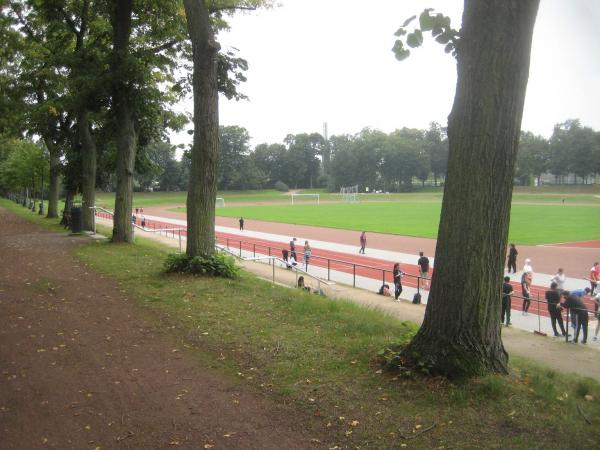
559,279
527,267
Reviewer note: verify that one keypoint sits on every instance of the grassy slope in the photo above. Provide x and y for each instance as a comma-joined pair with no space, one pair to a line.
319,355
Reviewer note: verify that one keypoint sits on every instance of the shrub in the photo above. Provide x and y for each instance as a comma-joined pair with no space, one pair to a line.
281,186
217,264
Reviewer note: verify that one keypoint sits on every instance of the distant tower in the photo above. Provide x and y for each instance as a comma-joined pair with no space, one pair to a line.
325,130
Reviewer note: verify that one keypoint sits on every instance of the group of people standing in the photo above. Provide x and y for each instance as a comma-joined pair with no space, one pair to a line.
397,274
291,258
573,300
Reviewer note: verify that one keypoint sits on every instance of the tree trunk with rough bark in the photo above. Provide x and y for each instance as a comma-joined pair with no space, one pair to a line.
54,179
202,190
88,169
460,335
126,135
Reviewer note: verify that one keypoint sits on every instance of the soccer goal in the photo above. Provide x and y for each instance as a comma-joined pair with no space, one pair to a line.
220,202
349,194
301,198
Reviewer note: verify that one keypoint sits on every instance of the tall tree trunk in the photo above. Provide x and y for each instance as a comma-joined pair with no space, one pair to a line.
54,179
202,189
126,147
88,169
460,335
126,135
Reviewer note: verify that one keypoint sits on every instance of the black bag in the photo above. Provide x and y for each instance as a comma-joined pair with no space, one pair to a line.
417,298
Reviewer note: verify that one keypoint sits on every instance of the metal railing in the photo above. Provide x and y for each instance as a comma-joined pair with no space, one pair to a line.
364,270
175,231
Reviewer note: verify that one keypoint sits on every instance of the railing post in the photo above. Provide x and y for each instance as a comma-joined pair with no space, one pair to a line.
227,242
254,250
240,248
539,319
419,284
382,277
271,261
328,269
354,276
568,321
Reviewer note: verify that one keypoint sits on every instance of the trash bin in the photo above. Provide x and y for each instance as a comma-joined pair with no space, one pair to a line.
76,220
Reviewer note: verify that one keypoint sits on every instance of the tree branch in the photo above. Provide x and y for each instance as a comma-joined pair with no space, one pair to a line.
167,45
69,21
215,9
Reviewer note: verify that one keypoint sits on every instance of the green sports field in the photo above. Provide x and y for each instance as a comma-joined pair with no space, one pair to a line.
530,224
539,215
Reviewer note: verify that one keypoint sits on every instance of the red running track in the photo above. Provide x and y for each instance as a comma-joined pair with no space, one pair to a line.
363,266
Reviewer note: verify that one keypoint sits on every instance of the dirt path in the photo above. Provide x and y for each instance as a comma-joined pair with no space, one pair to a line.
82,368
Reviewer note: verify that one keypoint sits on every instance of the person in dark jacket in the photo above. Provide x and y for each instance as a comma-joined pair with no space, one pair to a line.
512,258
577,309
553,299
525,291
398,274
241,221
423,263
507,289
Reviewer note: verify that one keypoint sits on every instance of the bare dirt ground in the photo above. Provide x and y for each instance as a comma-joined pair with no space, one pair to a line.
576,260
84,367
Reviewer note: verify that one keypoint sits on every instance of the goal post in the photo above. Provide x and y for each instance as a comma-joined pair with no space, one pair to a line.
296,198
349,194
220,202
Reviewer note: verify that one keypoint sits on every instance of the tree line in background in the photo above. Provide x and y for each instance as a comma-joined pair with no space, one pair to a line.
87,93
391,162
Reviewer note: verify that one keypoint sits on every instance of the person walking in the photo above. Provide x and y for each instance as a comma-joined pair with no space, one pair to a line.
398,274
507,290
578,309
553,299
241,221
423,264
512,258
594,277
559,279
525,291
363,242
307,254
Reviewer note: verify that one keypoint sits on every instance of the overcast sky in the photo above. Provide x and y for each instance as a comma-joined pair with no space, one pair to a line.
315,61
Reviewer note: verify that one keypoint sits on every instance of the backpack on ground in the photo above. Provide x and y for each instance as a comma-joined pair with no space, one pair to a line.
417,298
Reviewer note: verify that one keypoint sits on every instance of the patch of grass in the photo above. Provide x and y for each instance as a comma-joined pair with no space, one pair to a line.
319,355
529,224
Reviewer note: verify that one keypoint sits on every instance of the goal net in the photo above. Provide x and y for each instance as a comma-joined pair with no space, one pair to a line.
349,194
305,198
220,202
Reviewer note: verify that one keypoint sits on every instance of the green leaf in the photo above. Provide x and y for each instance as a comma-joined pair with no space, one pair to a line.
400,32
408,21
443,38
414,39
449,47
400,52
426,22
